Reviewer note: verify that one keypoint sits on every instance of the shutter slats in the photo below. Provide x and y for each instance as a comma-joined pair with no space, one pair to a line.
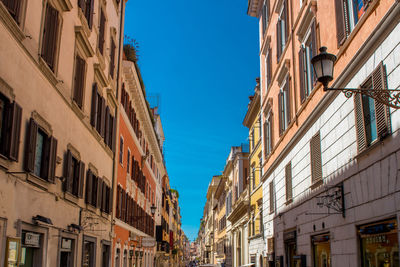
302,73
91,11
52,159
288,177
107,127
287,89
381,111
340,22
31,146
286,20
99,192
89,180
81,178
360,126
12,138
278,40
103,117
93,114
280,108
101,31
271,197
269,67
68,175
316,161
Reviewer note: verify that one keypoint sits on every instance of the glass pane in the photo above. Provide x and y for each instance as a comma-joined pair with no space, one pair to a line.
39,152
369,118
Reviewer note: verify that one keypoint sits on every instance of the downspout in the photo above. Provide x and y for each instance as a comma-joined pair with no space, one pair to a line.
294,65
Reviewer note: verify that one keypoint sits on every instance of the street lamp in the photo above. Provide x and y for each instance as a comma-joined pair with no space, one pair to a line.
323,65
153,210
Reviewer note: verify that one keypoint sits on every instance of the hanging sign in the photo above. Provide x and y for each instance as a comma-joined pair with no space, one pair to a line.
32,239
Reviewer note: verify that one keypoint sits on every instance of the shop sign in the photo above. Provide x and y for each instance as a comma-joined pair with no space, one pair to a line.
320,238
32,239
66,244
289,235
148,242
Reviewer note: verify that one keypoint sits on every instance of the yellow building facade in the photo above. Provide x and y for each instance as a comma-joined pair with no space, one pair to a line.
252,121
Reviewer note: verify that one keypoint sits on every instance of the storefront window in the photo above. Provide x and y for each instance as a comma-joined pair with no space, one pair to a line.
105,255
321,250
66,252
89,252
31,251
379,244
290,248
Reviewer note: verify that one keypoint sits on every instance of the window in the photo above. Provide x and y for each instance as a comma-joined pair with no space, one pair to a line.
321,250
50,36
282,30
268,69
112,58
265,16
14,8
89,252
102,27
10,128
121,150
260,167
288,182
271,197
253,176
128,161
307,50
348,13
284,107
87,9
268,135
94,189
79,80
32,249
372,117
41,152
315,153
252,139
105,254
66,255
73,175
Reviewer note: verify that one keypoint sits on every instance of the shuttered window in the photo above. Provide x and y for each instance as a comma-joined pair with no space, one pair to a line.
316,160
265,15
112,58
101,31
372,117
74,172
50,36
284,107
10,128
282,30
79,80
348,13
121,150
128,161
40,152
268,135
271,197
268,68
307,50
13,7
87,9
288,182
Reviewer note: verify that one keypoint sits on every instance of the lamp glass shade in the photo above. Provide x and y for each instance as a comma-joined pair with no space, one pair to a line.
153,209
323,66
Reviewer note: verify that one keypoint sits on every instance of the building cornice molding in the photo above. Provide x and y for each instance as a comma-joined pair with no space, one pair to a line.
83,41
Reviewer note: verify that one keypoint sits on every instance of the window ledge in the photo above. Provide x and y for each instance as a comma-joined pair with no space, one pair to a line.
289,201
4,162
105,215
37,181
78,111
91,208
367,150
48,73
11,23
84,22
72,198
316,184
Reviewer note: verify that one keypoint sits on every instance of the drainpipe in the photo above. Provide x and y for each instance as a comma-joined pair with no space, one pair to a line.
294,65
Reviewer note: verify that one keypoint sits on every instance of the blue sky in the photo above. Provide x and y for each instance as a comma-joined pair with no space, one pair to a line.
201,58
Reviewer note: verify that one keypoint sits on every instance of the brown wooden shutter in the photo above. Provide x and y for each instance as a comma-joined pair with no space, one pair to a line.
81,178
112,58
266,136
288,177
82,5
264,16
90,4
278,40
110,196
288,111
271,123
113,139
316,161
269,67
107,127
80,67
118,204
68,173
360,126
104,199
340,22
103,117
13,130
286,20
89,180
31,146
382,112
52,159
94,110
281,117
271,197
13,7
99,192
123,205
50,33
101,31
302,72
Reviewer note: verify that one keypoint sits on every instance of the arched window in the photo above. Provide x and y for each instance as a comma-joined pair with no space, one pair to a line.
117,257
125,258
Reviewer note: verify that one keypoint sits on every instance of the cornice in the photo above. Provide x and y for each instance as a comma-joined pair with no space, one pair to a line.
253,110
83,41
252,7
98,72
131,76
